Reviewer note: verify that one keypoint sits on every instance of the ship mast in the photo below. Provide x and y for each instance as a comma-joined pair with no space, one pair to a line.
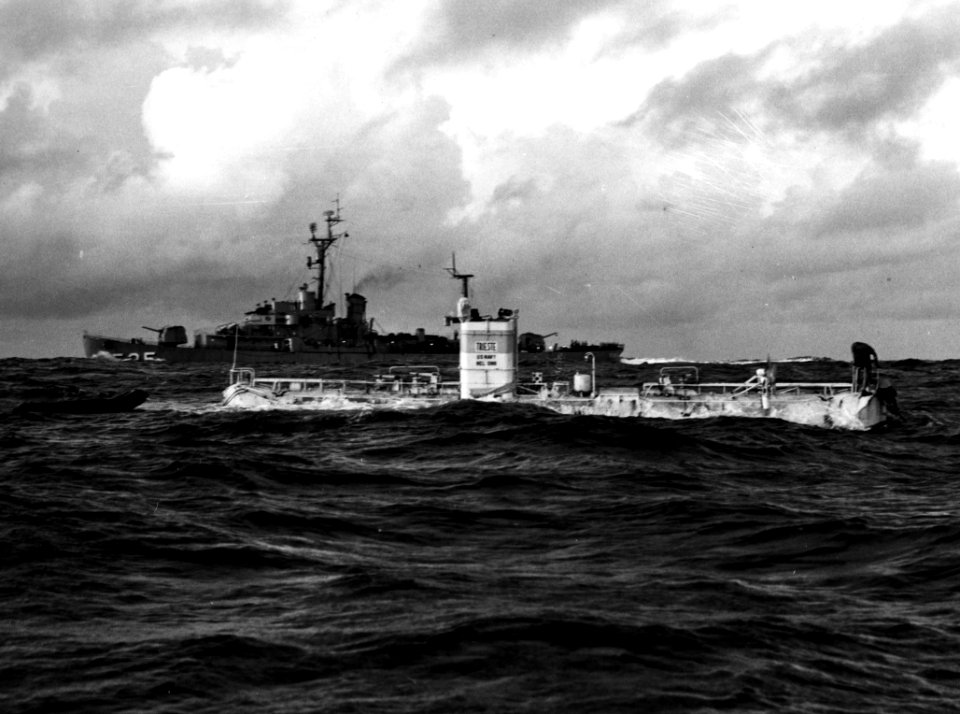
464,278
322,245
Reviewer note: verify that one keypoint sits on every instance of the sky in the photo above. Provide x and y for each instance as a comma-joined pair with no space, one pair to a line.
696,180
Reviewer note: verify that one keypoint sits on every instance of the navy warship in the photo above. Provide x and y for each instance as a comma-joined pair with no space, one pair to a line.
307,329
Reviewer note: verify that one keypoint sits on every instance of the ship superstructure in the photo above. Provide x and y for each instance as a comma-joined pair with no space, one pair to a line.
307,329
307,324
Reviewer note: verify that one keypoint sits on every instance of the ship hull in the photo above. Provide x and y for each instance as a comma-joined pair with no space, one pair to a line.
144,351
848,410
110,347
133,351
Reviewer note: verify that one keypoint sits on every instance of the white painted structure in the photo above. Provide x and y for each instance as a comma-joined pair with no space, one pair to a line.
488,355
489,371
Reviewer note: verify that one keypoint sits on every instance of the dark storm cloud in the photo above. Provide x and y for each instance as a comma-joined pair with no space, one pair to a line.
49,277
674,109
890,76
654,25
35,149
716,201
467,24
463,28
883,201
406,173
33,29
38,282
103,61
22,128
848,88
92,132
398,180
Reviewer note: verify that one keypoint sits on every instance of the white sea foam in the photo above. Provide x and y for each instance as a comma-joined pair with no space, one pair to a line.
752,360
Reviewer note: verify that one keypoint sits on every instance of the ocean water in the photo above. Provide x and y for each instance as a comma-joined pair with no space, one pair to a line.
473,557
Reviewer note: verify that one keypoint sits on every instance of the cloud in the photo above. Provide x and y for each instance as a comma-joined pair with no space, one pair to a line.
463,28
675,108
885,202
24,146
810,83
654,26
32,30
512,191
692,180
851,88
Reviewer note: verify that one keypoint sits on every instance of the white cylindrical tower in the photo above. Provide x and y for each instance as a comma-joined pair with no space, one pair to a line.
582,383
488,356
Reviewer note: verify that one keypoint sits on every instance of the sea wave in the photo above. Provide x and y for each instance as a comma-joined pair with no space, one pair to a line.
472,556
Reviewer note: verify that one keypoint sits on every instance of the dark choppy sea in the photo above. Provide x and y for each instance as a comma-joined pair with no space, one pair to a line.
472,557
